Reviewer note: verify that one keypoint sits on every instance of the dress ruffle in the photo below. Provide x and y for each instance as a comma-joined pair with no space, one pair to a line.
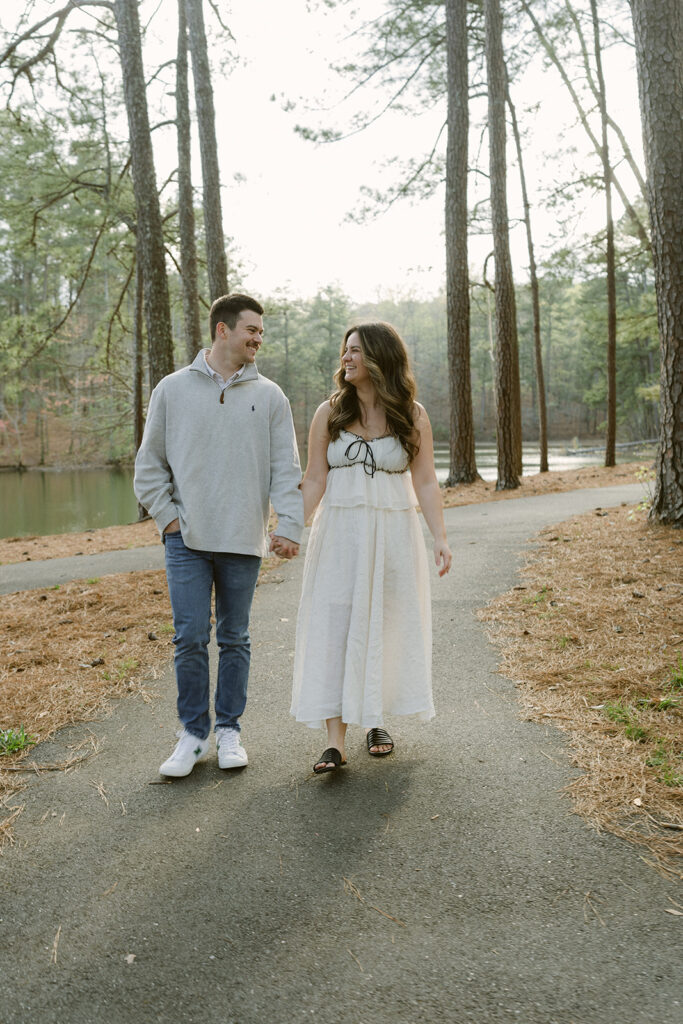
364,637
349,486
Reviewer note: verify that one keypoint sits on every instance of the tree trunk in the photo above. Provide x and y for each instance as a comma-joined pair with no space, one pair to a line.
658,26
507,429
150,241
186,221
535,304
285,340
138,356
206,122
611,437
138,360
463,468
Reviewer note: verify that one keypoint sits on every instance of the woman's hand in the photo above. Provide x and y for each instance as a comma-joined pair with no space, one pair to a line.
442,557
283,547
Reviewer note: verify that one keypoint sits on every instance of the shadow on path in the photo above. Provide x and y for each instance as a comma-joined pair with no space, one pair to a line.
449,882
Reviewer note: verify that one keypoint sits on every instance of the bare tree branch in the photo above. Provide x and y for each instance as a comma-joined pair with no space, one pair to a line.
30,33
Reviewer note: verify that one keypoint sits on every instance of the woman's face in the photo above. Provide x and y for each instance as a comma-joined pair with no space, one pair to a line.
355,371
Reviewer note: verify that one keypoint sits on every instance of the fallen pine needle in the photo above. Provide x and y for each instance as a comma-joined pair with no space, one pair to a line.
99,786
384,914
59,766
360,968
350,887
55,944
588,902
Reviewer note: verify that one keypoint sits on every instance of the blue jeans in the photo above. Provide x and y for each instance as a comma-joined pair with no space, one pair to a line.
191,577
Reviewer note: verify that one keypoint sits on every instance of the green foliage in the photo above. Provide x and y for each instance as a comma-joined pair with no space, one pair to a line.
676,678
625,714
14,740
667,762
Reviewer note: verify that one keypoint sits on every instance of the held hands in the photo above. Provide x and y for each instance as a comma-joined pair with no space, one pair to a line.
283,547
442,557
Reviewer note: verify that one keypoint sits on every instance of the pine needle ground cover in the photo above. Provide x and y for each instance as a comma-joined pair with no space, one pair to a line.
593,639
65,652
67,545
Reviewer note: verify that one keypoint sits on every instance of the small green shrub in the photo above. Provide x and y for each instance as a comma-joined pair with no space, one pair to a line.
14,740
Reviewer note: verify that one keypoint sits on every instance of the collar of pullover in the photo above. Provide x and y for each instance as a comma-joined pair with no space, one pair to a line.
249,372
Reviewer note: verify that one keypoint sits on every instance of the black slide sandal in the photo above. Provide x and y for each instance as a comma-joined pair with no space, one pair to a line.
331,754
379,738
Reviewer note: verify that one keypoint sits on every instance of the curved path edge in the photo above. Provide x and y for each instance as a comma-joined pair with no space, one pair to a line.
447,883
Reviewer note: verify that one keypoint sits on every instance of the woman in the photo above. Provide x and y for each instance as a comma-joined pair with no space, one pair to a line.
363,643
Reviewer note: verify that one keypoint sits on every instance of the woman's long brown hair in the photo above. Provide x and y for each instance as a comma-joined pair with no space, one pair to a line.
386,360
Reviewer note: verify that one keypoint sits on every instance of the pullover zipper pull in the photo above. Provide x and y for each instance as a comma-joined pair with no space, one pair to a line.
222,398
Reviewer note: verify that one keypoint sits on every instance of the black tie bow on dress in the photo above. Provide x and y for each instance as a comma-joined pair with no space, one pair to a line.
361,448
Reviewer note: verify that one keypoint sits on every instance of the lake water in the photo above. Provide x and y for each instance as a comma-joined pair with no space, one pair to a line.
558,459
39,502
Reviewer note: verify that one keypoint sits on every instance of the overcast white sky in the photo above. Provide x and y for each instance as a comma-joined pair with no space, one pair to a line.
285,200
288,215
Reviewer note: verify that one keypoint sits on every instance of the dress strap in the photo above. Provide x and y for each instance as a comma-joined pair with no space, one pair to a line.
361,448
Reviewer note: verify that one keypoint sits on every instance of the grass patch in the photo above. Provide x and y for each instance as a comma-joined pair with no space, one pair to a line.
676,677
12,741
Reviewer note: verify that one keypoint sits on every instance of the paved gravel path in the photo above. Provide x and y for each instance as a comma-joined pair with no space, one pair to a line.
447,883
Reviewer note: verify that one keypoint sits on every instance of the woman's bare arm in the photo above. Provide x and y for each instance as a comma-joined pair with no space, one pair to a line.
315,478
428,491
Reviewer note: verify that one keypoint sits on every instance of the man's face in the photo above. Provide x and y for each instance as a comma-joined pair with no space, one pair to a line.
244,340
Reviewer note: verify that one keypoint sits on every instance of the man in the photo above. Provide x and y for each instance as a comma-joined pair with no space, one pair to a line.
218,446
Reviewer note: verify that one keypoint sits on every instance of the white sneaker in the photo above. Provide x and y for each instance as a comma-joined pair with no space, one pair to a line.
188,751
231,753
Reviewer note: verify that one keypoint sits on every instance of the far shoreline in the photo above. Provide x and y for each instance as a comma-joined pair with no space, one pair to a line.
143,533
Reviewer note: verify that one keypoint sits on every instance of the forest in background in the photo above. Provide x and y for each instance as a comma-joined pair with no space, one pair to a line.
72,223
72,404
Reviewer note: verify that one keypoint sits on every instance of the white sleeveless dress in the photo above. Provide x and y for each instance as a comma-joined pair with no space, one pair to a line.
364,631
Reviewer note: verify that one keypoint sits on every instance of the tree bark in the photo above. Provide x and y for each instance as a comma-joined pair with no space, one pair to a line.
150,241
658,26
535,303
186,220
206,122
611,436
507,428
463,468
138,356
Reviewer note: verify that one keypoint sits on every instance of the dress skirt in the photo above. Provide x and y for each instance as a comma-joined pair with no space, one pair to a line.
364,632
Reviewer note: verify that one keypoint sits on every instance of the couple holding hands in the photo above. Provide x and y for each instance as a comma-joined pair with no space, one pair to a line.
218,447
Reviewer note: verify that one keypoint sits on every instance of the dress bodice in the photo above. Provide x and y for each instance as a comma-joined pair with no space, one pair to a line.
368,472
379,454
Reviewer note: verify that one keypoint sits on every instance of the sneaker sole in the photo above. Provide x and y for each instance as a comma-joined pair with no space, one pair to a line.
175,773
233,764
170,772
